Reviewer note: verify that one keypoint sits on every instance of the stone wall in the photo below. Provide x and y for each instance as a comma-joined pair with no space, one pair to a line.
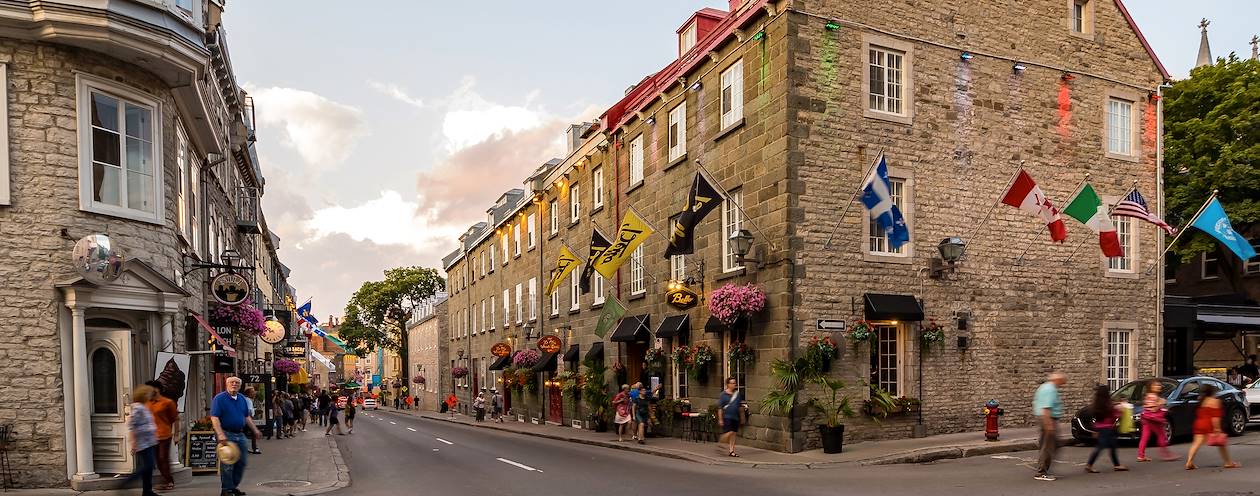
428,342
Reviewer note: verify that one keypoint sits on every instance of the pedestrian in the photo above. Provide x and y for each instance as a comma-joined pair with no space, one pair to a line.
165,418
407,402
325,407
451,403
496,405
642,402
634,396
1249,370
286,409
350,406
277,414
479,406
1154,421
249,401
332,422
303,410
229,415
1234,377
1207,428
1048,407
1106,417
729,404
143,434
621,405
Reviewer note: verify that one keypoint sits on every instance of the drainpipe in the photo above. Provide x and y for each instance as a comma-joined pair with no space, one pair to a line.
1159,233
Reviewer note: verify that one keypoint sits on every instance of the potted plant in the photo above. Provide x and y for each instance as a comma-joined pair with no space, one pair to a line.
821,351
732,301
931,334
654,359
833,406
286,366
861,332
681,356
881,404
459,372
526,358
418,380
595,393
792,377
701,357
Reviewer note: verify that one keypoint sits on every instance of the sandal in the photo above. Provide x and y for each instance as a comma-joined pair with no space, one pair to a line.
734,454
1191,466
1233,465
1143,459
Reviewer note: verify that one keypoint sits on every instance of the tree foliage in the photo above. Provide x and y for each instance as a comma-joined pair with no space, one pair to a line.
377,314
1212,142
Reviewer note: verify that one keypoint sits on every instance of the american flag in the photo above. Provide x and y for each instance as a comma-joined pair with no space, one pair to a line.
1134,206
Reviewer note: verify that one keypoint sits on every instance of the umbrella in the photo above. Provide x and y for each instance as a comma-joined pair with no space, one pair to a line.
301,377
352,385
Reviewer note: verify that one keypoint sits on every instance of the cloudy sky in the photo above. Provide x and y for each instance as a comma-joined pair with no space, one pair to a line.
385,132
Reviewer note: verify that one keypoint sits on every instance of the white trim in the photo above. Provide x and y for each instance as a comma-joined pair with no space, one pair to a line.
575,203
636,160
554,217
597,287
1203,261
677,143
637,287
85,84
575,291
5,196
733,78
1132,249
1131,345
733,199
597,187
905,76
1131,120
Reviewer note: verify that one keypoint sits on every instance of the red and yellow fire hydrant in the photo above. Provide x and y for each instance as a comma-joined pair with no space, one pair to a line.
991,414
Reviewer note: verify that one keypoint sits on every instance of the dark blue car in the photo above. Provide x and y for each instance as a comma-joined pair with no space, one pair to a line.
1182,394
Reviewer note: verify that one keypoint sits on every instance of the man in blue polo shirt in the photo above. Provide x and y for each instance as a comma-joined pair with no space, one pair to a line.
230,415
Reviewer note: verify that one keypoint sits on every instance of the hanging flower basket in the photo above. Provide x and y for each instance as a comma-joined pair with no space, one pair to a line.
861,332
825,347
932,333
244,316
459,372
740,353
286,366
681,357
419,379
654,357
701,356
730,302
526,358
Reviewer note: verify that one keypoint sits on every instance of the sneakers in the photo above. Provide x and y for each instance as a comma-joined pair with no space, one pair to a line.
1044,477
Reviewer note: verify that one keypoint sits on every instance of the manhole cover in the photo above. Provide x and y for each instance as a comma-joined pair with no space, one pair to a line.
285,483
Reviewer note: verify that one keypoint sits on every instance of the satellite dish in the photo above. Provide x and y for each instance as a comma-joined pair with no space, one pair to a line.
96,259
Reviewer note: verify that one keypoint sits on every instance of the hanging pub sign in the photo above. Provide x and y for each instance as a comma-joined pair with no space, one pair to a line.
274,333
230,288
550,344
501,349
224,364
294,351
682,297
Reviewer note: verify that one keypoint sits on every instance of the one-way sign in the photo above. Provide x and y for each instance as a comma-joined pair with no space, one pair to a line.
830,325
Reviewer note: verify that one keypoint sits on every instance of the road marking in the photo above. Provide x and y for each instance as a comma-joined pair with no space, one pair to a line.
435,449
518,465
393,423
410,429
440,440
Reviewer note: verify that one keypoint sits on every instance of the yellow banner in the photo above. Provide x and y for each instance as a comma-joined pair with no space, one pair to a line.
565,264
630,235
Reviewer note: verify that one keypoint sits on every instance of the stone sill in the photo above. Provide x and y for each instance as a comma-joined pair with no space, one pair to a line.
635,186
729,129
731,275
670,165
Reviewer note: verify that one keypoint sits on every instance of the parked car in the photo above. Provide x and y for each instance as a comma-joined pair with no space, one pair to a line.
1252,392
369,403
1182,394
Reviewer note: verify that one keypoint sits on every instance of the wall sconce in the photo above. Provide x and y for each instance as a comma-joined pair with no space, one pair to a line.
650,120
696,86
529,332
741,244
951,250
1019,67
1067,77
965,56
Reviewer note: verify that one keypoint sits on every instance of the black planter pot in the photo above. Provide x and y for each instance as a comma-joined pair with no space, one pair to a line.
826,365
832,438
599,424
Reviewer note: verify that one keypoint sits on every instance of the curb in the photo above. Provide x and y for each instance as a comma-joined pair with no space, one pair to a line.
343,473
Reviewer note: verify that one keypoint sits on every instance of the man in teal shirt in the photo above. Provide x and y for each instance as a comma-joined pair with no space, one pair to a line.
1048,407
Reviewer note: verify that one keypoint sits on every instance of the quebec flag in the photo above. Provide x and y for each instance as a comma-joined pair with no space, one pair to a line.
877,196
304,312
1214,221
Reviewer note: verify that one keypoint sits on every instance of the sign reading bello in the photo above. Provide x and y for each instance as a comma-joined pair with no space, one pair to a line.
682,298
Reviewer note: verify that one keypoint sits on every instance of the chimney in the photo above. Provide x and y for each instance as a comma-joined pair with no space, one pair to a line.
735,5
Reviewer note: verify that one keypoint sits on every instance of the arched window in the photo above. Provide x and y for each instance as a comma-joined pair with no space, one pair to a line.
104,381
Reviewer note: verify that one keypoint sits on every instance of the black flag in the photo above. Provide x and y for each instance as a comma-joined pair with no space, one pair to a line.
701,200
599,243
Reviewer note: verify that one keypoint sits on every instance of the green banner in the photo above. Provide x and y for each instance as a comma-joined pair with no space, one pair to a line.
613,310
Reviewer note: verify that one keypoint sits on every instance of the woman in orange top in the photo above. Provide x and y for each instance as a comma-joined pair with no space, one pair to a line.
1207,422
165,417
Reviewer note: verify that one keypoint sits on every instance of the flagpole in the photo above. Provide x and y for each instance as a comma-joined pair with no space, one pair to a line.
1109,212
1020,260
861,186
1159,260
985,221
726,196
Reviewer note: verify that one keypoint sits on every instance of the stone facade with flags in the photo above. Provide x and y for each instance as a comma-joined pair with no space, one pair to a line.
783,108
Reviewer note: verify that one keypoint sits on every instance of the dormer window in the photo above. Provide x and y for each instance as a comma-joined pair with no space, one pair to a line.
687,39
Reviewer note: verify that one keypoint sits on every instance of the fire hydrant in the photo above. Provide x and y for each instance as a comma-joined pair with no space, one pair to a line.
991,414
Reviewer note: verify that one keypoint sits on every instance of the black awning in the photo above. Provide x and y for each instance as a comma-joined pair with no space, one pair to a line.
572,355
632,329
545,364
596,353
673,325
714,325
500,363
1179,316
893,307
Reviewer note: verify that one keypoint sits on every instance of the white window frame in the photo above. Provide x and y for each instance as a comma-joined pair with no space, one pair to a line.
555,303
486,268
903,182
597,188
678,268
1209,257
506,256
531,231
507,308
597,287
877,239
182,157
533,299
732,220
484,322
1081,17
554,217
637,286
676,133
731,95
1127,232
87,85
895,78
493,305
516,236
680,379
575,291
575,204
897,352
5,194
1118,340
491,251
687,39
636,161
520,309
1121,139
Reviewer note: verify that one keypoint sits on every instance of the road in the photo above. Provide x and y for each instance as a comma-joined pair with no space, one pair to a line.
392,454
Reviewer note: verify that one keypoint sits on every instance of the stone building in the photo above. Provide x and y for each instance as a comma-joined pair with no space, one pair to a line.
427,348
121,118
785,107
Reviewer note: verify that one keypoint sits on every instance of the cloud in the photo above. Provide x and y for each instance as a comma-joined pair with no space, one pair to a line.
396,92
471,119
387,220
322,131
331,269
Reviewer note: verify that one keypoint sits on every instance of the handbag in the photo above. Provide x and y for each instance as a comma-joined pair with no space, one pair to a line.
1216,439
1125,424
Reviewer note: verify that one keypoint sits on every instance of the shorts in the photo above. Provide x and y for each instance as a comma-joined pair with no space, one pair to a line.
730,425
641,418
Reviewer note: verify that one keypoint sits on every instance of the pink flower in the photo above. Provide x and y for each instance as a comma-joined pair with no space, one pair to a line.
730,302
526,358
286,366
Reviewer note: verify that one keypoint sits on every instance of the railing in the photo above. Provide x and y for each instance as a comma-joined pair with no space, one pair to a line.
248,210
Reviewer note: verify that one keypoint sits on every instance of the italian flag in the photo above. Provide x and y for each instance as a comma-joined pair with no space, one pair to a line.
1087,208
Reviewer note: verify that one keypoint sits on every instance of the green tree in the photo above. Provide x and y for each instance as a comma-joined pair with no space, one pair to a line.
1212,142
377,314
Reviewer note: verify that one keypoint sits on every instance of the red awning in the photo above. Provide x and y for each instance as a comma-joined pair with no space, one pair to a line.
217,338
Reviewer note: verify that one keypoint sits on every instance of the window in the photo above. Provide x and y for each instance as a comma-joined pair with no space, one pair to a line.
185,5
687,39
1121,131
120,160
1119,371
533,299
636,271
486,268
575,291
636,160
484,322
530,231
555,303
732,221
678,131
492,307
520,310
1082,16
680,380
491,252
886,80
507,308
575,204
886,360
554,218
597,188
877,239
1253,266
195,212
4,135
733,368
597,287
1209,265
181,192
1128,242
506,235
678,267
516,233
104,382
733,94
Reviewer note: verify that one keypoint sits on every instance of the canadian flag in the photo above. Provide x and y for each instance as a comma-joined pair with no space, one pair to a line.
1025,195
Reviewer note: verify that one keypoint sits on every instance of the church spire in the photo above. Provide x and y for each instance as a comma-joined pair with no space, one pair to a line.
1205,52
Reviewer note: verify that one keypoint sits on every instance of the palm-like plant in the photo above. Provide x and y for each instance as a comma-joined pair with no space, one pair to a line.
791,377
835,406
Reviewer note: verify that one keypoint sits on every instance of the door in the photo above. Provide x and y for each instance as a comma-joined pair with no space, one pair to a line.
109,375
634,361
555,405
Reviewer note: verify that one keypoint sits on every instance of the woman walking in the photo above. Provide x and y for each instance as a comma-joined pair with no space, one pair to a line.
1154,420
143,438
1106,416
277,414
729,403
1207,428
332,422
621,405
642,415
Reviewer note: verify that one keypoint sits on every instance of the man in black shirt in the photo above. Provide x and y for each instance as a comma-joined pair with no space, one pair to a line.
1249,370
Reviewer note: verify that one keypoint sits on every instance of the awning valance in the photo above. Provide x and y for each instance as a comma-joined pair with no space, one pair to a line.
1241,320
500,363
632,328
893,307
673,325
596,353
573,353
547,363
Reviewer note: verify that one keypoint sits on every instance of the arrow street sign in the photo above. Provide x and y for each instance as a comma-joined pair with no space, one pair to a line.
830,325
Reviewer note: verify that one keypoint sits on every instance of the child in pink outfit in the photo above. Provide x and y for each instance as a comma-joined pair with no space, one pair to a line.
1153,421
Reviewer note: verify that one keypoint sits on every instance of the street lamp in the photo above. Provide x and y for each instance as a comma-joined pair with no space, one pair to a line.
741,244
951,250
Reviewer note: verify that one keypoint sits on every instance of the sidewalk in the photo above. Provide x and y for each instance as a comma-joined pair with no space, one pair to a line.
866,453
305,465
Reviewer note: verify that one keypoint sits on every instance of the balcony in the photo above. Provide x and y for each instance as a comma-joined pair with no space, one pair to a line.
248,210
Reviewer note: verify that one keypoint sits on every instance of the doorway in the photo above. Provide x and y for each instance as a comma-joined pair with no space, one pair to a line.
635,351
109,375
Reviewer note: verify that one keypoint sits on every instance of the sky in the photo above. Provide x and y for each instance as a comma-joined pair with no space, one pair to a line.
384,133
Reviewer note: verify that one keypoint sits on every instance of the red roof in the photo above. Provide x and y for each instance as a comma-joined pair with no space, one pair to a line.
1149,51
709,12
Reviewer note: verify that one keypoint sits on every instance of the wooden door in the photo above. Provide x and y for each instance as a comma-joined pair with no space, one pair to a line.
555,405
109,374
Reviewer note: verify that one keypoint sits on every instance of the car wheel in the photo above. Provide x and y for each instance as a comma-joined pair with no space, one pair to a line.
1168,433
1237,422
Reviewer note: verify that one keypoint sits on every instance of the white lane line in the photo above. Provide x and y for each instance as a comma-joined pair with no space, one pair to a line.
393,423
518,465
435,449
440,440
410,429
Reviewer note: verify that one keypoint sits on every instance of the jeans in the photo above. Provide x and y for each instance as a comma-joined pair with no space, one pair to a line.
279,428
145,461
1049,444
1106,441
230,475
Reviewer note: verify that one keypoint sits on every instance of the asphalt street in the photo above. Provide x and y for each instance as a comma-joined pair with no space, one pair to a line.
392,454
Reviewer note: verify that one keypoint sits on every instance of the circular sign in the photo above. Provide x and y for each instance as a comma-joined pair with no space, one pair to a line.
549,344
501,349
96,259
230,288
274,333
